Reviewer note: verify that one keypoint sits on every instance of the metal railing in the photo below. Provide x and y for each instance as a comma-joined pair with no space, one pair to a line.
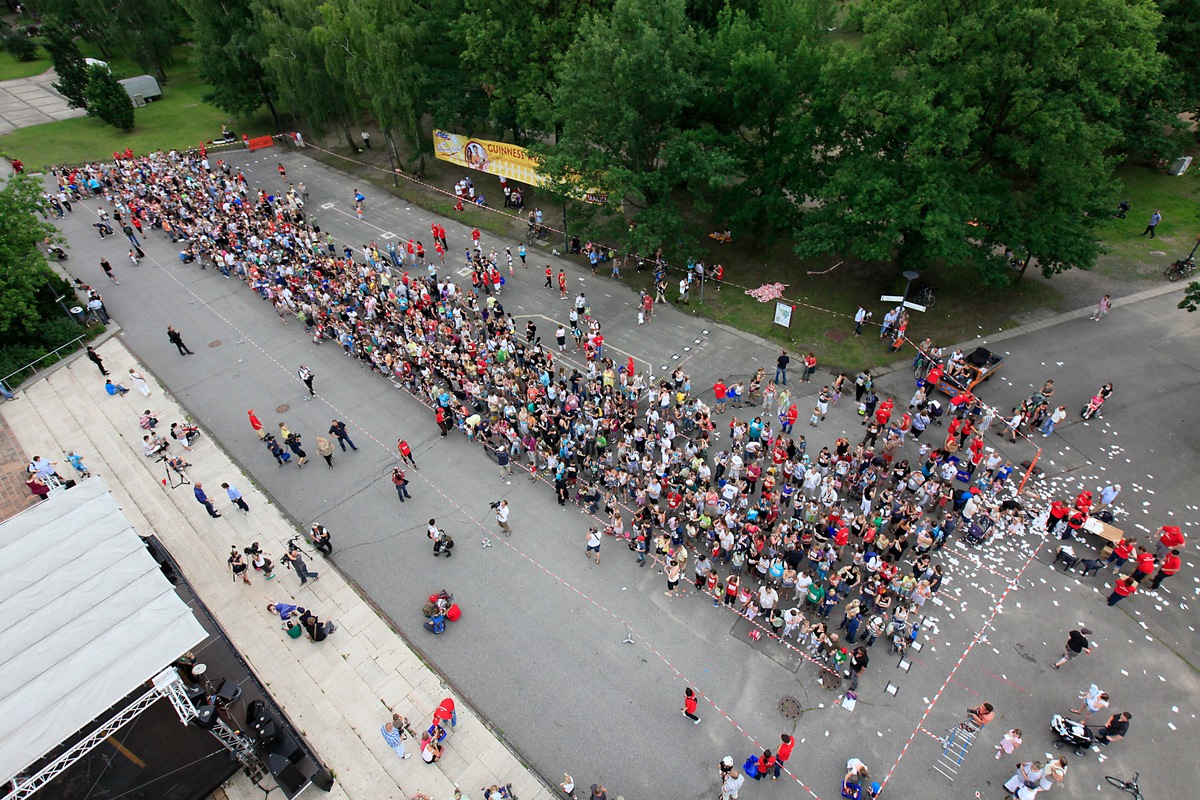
56,355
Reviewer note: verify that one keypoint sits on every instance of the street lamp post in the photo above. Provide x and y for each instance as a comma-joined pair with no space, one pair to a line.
909,276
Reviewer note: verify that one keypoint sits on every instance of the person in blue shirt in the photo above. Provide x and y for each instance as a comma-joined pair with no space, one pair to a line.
114,388
202,499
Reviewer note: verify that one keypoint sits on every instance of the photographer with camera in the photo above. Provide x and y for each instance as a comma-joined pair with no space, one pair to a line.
501,509
320,538
260,560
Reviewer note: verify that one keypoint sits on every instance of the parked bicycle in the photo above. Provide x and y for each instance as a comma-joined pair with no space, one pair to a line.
1130,785
1180,269
924,296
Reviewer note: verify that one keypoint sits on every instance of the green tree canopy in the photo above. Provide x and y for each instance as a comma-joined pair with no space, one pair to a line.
68,63
960,129
24,272
107,99
228,49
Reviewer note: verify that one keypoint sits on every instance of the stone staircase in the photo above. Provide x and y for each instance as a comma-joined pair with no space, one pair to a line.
337,693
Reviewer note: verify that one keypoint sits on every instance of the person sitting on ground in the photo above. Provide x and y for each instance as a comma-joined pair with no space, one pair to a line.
148,420
153,444
114,388
317,631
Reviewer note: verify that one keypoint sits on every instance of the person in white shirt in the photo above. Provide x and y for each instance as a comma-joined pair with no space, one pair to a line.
502,517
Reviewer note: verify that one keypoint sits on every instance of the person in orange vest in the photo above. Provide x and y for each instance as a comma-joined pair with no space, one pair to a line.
1122,589
1172,538
1170,566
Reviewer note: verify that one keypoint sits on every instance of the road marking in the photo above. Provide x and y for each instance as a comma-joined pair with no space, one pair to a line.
327,206
388,235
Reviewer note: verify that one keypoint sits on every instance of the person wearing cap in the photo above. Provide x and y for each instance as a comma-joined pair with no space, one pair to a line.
1077,643
1108,495
1172,539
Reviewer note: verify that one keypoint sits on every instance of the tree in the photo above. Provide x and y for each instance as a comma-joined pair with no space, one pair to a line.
23,269
764,70
499,38
961,130
107,99
228,51
623,95
68,63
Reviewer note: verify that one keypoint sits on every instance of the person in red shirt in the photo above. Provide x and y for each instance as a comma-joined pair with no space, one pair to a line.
766,763
719,391
1170,566
718,275
1172,539
1145,566
562,285
1083,501
406,452
549,277
441,252
689,705
1122,589
884,412
786,745
810,366
792,414
475,235
1122,551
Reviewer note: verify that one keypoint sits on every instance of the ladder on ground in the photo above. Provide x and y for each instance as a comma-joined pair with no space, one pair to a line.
955,746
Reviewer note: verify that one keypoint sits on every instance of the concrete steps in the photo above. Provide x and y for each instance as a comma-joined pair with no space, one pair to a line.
337,693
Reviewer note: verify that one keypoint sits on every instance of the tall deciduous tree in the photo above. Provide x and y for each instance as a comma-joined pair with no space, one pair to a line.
510,47
107,99
764,67
68,63
623,95
23,270
298,66
961,128
228,53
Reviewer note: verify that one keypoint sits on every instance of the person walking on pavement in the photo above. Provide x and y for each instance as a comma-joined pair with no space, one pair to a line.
1116,728
306,375
237,565
1155,218
591,545
296,561
502,517
203,500
689,704
174,338
1077,643
391,734
325,450
406,452
1057,416
94,357
858,663
504,460
338,429
1169,567
401,484
108,270
1093,700
782,754
292,440
1122,589
256,425
235,497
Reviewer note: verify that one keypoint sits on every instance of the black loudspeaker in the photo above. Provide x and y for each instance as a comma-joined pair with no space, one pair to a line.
206,717
291,779
323,780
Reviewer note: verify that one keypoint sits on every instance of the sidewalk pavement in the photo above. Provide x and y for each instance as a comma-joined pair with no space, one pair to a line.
337,693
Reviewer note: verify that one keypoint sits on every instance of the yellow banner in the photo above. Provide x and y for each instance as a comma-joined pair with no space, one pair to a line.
494,158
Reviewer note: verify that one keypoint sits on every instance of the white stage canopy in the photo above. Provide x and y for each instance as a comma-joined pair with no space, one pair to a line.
86,617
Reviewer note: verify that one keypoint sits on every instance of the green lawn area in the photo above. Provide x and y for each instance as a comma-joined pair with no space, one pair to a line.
181,119
1178,200
11,69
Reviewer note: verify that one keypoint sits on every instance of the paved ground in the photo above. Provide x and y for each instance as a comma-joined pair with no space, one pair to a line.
587,704
32,101
337,693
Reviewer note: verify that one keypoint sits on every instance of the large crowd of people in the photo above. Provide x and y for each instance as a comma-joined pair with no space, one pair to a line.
828,551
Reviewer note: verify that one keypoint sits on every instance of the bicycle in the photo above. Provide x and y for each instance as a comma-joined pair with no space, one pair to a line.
924,296
1130,785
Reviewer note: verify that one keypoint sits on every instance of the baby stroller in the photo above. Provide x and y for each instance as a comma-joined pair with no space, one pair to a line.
1073,733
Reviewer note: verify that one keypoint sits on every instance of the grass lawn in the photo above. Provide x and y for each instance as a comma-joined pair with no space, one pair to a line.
181,119
11,69
1131,255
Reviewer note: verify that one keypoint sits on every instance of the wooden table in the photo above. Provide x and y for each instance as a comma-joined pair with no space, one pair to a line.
1103,530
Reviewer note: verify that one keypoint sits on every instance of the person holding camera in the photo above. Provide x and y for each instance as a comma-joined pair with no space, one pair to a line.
321,539
501,508
401,484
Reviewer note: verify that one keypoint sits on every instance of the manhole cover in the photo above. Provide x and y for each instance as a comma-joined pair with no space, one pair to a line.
215,343
836,335
790,707
283,409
